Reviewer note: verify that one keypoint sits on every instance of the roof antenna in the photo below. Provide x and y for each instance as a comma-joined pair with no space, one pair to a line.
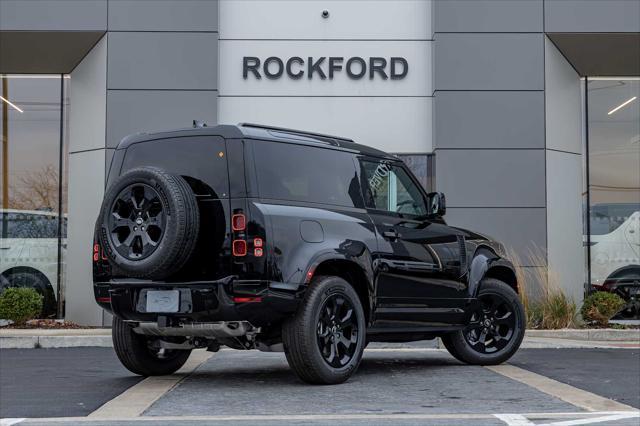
199,123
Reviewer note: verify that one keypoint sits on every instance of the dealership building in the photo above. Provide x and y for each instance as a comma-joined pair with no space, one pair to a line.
526,114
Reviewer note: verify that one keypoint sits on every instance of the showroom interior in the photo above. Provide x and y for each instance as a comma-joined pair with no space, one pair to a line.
525,114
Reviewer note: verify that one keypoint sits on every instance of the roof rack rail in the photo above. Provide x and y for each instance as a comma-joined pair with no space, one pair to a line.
293,131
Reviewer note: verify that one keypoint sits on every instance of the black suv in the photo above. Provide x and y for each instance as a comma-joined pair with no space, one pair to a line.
258,237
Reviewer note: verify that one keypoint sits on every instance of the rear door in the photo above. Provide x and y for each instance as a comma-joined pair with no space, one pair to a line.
418,260
202,161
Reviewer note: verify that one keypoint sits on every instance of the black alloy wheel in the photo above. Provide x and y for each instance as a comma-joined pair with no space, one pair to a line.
337,334
492,326
325,339
137,221
149,223
496,327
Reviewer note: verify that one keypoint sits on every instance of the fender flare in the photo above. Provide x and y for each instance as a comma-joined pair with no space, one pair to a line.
483,260
363,261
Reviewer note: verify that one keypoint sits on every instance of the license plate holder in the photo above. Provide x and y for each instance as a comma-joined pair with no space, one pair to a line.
162,301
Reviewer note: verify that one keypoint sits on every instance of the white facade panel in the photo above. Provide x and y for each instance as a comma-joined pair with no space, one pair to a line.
348,19
87,111
86,188
232,82
392,124
564,221
562,102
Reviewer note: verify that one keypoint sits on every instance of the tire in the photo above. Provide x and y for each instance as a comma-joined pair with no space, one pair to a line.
499,345
31,278
149,223
134,352
302,337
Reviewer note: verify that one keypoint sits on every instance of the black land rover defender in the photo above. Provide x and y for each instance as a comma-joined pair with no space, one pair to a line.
257,237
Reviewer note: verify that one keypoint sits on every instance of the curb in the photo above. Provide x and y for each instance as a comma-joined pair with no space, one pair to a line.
596,334
35,338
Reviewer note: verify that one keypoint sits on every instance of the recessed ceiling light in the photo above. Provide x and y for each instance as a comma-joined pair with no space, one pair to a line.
12,105
622,105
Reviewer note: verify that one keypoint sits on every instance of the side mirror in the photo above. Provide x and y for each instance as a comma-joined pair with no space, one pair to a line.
437,204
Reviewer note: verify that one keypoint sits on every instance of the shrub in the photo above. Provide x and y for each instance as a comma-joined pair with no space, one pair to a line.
600,307
546,306
20,304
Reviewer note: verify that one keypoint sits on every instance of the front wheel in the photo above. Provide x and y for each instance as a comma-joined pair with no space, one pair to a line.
137,354
325,340
495,330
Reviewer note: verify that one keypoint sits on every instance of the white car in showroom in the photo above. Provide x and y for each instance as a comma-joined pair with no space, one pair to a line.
615,252
29,252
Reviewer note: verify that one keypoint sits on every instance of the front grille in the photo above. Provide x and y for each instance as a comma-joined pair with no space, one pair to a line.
462,247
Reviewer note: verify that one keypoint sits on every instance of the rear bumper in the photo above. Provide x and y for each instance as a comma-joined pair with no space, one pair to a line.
204,301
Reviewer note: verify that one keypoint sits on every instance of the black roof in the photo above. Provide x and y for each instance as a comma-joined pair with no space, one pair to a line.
261,132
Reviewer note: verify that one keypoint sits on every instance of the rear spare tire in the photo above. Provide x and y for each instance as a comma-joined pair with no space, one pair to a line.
149,223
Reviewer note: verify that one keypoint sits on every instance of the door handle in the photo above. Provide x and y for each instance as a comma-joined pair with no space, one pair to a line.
5,248
391,234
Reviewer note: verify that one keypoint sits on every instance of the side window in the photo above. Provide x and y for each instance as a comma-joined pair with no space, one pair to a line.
28,225
389,187
301,173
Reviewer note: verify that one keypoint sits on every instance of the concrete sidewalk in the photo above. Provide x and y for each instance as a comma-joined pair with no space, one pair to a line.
101,337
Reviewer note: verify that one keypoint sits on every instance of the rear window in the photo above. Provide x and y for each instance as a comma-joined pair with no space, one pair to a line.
299,173
198,157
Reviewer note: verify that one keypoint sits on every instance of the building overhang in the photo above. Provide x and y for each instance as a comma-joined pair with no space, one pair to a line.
600,54
44,52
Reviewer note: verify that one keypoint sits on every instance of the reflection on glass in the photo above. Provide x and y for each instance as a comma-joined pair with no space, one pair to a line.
421,165
614,187
32,218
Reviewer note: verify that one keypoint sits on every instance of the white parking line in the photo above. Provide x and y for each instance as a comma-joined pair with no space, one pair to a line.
578,397
514,419
570,419
135,400
9,422
593,420
522,420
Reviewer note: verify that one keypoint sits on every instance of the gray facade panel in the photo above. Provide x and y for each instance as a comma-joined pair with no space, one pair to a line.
154,60
487,16
163,15
488,62
489,119
131,111
521,230
491,178
53,15
592,16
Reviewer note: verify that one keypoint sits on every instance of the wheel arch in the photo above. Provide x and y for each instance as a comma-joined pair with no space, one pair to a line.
351,272
487,264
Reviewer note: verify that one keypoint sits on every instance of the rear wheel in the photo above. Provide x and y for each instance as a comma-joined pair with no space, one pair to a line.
137,354
495,330
325,340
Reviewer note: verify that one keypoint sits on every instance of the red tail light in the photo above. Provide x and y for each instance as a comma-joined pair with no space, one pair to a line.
257,252
247,299
96,252
239,248
257,242
238,222
104,299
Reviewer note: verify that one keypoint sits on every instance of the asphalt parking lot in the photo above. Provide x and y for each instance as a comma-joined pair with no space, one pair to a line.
414,385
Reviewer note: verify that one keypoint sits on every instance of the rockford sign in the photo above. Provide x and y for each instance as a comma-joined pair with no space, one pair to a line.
323,67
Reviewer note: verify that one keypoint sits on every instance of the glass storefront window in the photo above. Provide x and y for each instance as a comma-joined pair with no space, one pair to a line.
613,228
33,196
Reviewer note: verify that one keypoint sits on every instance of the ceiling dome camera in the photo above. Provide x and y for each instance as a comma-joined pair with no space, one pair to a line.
325,13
